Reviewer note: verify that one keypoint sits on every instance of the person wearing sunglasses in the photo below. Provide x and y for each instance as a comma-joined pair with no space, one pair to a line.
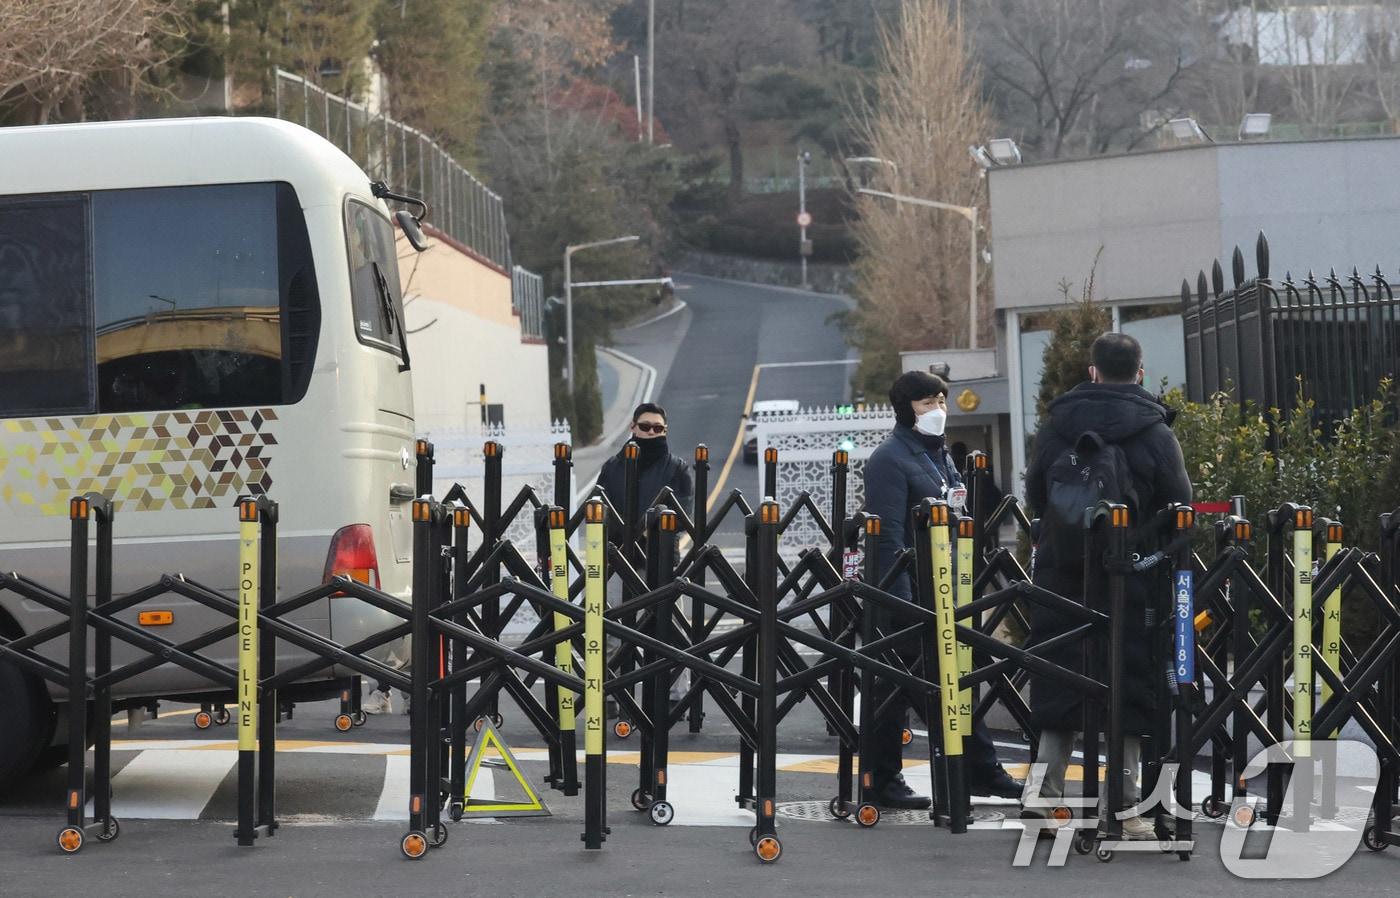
657,467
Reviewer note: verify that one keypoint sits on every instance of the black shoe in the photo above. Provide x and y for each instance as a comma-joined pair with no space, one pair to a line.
997,784
896,794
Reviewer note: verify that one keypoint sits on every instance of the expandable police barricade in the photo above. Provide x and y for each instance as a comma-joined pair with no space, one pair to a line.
939,650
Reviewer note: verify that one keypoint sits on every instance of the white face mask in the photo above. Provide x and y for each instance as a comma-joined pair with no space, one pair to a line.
931,422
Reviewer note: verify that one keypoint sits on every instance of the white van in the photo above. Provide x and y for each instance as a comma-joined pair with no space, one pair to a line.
191,310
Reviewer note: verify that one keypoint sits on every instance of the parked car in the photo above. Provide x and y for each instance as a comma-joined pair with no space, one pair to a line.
762,407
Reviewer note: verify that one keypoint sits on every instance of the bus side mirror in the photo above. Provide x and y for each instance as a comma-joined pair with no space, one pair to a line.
411,230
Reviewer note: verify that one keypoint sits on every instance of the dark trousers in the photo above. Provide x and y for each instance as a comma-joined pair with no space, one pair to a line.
883,747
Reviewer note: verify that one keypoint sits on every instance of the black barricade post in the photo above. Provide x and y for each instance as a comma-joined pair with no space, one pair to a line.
423,470
765,835
415,843
1183,667
267,668
493,531
653,684
563,499
1275,683
457,714
1380,829
633,517
1240,644
249,586
1116,555
700,519
558,520
840,610
70,838
661,811
102,665
748,666
924,594
867,814
770,473
594,593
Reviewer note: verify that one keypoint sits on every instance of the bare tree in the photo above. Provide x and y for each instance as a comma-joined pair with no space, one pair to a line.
1382,26
926,108
1083,76
51,49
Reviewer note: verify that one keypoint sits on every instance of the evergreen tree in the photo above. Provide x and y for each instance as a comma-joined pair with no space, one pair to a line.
1073,331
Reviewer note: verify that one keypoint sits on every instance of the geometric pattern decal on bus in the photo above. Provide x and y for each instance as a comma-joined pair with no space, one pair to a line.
143,462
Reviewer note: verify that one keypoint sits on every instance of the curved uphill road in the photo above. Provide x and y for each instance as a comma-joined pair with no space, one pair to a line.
726,330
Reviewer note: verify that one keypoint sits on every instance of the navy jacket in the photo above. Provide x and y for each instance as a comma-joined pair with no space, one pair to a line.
898,476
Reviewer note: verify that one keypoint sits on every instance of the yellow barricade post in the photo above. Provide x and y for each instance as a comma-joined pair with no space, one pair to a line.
563,650
1302,632
941,554
595,558
964,597
248,582
1332,615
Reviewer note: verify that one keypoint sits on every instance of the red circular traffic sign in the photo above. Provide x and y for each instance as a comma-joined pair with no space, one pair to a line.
804,219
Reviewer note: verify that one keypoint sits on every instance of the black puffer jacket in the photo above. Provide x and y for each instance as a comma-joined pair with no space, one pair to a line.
1129,416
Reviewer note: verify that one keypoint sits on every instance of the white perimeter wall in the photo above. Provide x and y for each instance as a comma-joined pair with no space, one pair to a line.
469,336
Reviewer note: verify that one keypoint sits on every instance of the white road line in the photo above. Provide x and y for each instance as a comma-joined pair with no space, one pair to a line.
704,795
393,797
169,784
680,304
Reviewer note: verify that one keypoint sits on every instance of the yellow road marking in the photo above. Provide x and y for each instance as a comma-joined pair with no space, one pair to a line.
738,441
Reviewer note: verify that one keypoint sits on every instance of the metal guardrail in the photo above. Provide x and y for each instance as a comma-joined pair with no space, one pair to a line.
460,206
527,300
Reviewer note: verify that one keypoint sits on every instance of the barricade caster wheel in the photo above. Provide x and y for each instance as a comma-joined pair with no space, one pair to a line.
70,840
344,722
1165,846
1368,838
110,831
867,815
414,845
1083,844
222,717
837,809
661,813
640,800
439,835
622,729
1104,855
1243,817
753,835
906,736
203,720
455,811
768,849
358,718
1213,807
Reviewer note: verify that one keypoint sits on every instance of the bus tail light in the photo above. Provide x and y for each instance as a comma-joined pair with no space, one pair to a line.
352,555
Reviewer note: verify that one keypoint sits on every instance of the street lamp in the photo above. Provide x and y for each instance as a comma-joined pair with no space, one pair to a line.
1004,151
1255,124
1187,130
569,300
804,249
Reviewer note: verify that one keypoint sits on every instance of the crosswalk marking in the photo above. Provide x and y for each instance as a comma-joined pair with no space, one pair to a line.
166,784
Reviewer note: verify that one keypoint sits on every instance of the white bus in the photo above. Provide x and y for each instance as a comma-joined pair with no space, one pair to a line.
190,310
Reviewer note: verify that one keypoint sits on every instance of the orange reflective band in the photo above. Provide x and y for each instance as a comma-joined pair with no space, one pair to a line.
593,511
980,461
1303,519
965,528
491,449
421,510
631,450
668,522
1119,516
768,513
247,510
866,780
156,618
78,509
416,804
938,515
842,457
1185,519
421,448
558,520
872,526
345,696
1243,530
461,517
702,452
768,807
561,450
770,455
661,777
73,799
1334,533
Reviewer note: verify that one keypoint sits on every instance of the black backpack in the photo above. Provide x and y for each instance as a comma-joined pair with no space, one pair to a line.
1090,470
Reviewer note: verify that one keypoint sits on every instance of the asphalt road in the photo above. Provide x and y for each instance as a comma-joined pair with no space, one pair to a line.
706,355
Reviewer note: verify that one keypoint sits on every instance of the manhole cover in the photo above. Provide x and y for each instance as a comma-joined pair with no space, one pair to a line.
819,811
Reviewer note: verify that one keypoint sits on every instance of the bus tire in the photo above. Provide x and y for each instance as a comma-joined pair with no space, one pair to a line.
25,723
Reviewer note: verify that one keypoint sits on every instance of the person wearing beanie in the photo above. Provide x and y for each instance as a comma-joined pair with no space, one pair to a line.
912,464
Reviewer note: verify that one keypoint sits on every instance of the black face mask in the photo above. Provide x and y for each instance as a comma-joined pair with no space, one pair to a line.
649,452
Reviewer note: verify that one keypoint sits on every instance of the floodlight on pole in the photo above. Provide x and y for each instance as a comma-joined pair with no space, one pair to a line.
1255,124
981,157
1004,151
1187,130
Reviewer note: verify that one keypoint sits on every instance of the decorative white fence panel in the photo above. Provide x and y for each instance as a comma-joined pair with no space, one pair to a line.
806,440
